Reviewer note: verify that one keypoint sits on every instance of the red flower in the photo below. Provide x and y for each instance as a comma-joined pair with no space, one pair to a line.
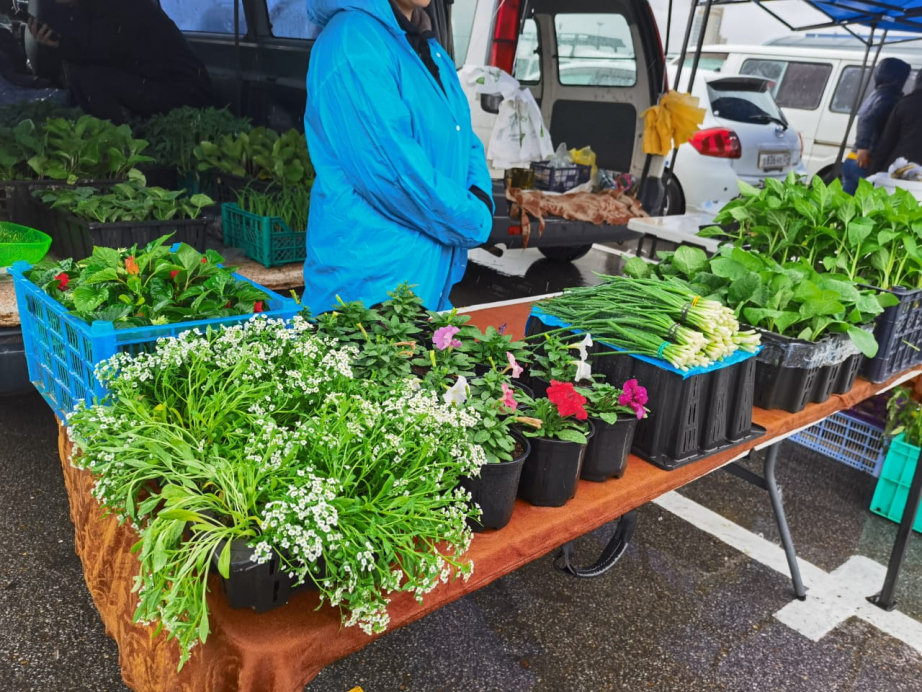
174,273
131,266
63,279
227,304
568,401
204,260
258,306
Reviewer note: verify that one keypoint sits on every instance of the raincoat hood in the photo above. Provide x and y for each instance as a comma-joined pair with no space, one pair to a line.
320,12
891,72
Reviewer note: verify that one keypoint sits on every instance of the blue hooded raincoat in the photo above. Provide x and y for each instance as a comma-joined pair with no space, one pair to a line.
395,156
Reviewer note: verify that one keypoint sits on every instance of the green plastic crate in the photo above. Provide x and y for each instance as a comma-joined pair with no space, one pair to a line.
889,499
266,239
20,243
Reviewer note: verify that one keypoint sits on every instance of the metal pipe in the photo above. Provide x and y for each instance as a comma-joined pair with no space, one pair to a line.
704,26
837,170
238,67
688,28
887,597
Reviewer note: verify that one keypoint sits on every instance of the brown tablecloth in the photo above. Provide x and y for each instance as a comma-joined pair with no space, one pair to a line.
283,650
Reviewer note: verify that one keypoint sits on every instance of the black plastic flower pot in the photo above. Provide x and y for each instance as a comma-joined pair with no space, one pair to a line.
608,450
538,385
260,587
551,472
523,388
495,489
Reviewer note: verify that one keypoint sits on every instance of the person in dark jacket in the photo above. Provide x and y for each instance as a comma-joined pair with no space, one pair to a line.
903,134
125,55
889,79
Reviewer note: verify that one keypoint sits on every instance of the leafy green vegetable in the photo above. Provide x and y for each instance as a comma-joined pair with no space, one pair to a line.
290,204
148,285
262,154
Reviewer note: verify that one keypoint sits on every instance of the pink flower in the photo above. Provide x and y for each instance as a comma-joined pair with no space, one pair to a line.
508,400
634,396
445,338
514,366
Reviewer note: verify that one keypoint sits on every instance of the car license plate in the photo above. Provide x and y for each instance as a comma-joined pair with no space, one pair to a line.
773,161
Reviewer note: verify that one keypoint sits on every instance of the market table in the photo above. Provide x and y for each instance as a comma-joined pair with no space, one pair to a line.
283,650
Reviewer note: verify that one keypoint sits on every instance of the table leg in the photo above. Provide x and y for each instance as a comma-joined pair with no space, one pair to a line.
886,599
774,493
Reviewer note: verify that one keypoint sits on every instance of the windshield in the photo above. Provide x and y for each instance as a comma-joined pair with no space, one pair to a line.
744,101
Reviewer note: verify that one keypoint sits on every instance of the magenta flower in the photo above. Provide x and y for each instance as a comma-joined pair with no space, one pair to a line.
509,398
445,338
517,369
634,396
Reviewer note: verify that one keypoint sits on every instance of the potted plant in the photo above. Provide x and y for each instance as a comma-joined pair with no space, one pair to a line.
495,348
555,360
614,414
494,490
559,428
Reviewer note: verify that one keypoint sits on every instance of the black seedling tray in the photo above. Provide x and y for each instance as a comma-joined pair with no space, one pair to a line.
899,337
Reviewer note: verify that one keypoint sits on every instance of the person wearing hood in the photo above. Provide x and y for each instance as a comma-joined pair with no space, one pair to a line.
903,135
402,187
889,80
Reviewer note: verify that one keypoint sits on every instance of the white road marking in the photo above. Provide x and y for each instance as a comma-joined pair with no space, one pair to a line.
831,598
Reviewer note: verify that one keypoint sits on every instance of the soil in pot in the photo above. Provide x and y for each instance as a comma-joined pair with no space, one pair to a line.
496,488
608,450
551,472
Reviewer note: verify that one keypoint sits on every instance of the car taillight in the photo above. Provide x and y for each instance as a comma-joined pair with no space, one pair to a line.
718,142
506,36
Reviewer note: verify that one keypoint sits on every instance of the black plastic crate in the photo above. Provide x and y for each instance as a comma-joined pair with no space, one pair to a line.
899,337
19,204
76,237
250,584
690,418
560,179
779,385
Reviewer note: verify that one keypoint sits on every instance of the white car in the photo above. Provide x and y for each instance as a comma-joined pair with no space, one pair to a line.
745,136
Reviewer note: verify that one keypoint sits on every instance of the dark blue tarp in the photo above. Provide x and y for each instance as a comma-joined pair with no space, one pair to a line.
888,15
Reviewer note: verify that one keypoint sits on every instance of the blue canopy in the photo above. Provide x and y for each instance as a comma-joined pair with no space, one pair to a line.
887,15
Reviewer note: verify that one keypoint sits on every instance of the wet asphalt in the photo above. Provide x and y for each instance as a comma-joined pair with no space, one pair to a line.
681,612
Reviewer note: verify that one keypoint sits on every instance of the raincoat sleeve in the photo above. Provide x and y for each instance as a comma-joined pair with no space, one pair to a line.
887,143
872,121
105,36
364,116
478,174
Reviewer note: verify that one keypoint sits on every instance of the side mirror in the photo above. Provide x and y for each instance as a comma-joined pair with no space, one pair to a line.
490,102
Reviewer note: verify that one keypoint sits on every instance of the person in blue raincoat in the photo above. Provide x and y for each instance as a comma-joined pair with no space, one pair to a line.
402,182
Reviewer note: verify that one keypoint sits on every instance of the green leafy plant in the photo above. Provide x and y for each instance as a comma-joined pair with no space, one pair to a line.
148,285
603,401
263,433
554,356
791,300
174,136
290,204
872,238
494,399
128,201
904,416
405,305
262,154
493,345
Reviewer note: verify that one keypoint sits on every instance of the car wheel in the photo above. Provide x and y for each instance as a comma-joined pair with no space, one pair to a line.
565,254
674,202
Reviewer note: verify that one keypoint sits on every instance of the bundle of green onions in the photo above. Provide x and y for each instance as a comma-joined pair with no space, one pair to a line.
653,317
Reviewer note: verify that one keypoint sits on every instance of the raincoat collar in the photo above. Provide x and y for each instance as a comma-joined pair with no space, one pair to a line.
320,12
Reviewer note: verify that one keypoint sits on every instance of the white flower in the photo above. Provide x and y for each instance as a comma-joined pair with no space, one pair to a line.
583,371
584,347
457,395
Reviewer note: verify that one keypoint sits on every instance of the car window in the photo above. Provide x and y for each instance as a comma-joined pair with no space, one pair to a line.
743,101
709,62
208,16
462,23
289,19
794,84
844,97
527,56
595,49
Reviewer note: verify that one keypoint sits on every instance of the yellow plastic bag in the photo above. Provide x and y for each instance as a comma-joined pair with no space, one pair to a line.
671,123
585,157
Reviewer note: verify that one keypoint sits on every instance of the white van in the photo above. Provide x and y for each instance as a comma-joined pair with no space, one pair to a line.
814,82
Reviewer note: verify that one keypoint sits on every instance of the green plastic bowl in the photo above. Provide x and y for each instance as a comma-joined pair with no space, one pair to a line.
21,243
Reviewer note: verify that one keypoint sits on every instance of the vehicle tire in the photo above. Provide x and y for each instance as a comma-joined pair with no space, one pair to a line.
565,254
674,202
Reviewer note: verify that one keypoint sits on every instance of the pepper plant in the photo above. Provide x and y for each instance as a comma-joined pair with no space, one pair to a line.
262,154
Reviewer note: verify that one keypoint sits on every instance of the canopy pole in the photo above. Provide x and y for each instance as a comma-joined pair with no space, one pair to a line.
837,170
688,28
704,25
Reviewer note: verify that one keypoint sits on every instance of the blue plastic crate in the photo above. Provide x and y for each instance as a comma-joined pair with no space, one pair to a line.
62,351
848,439
889,499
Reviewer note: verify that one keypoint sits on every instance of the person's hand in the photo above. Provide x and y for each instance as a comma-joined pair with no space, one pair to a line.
42,33
864,158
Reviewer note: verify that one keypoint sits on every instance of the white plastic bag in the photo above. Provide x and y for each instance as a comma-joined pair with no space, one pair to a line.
519,135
